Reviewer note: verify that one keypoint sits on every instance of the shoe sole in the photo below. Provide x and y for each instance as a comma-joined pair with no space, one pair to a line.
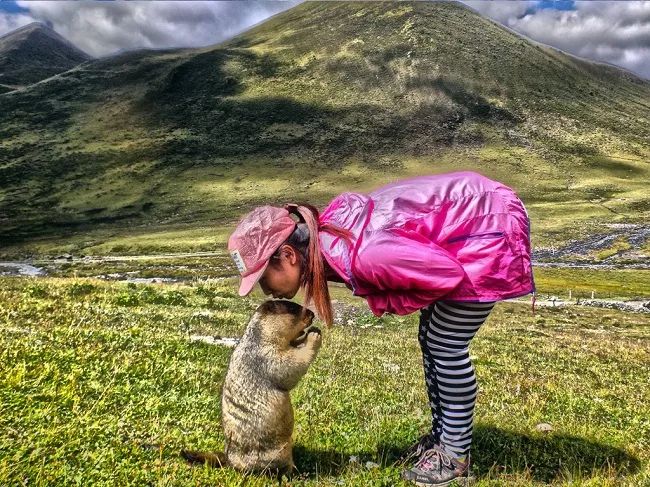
460,481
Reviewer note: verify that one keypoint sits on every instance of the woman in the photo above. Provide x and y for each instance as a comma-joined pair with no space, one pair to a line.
449,245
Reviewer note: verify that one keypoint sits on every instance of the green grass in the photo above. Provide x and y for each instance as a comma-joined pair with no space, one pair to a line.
103,241
560,209
206,267
611,283
99,385
620,245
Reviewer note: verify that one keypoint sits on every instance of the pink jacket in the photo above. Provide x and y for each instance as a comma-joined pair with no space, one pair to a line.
457,236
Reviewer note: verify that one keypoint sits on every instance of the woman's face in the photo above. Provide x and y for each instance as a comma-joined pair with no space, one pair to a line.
282,277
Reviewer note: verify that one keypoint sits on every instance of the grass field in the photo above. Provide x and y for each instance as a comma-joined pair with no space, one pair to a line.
608,284
565,202
99,385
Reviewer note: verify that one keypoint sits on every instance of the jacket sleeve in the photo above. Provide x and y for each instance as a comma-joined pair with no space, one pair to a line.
400,271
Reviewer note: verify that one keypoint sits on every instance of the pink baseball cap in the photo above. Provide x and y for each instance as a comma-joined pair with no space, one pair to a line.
258,235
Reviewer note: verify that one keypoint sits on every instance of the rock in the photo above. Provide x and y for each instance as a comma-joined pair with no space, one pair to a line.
203,313
391,367
347,314
544,428
212,340
619,305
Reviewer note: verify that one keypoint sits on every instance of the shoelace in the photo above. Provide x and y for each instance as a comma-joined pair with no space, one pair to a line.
421,448
434,459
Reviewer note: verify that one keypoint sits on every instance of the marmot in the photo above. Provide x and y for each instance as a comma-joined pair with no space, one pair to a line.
256,413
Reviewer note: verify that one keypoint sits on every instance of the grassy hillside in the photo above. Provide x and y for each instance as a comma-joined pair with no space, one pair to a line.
35,52
100,385
326,97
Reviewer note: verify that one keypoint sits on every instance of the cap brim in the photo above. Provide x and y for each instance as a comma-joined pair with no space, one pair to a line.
248,282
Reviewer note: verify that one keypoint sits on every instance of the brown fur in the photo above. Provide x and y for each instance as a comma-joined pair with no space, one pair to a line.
278,346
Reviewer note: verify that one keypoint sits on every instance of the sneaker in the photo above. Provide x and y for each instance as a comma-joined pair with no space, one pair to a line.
436,468
426,442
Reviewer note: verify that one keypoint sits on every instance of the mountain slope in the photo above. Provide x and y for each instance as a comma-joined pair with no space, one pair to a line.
35,52
325,97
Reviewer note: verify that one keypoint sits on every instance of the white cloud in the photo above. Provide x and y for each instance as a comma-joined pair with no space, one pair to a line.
501,11
11,21
103,28
613,32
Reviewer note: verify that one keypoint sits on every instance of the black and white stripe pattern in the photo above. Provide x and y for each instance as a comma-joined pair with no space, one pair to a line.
446,328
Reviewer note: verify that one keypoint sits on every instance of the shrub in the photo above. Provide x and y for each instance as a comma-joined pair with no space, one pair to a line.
36,290
135,296
81,288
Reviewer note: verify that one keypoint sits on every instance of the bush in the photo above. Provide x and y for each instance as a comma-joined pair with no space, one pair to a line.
127,299
36,290
135,296
81,288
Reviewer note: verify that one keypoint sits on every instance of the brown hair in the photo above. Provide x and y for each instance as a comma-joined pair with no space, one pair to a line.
305,240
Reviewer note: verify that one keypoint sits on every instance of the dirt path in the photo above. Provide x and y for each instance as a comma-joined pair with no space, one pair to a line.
592,265
121,258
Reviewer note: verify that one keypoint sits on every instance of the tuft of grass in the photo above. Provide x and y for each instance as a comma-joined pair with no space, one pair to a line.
620,245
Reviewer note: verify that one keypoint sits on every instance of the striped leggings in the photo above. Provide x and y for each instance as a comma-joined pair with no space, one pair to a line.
446,328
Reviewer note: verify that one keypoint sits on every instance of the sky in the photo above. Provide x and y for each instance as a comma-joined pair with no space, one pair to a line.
616,32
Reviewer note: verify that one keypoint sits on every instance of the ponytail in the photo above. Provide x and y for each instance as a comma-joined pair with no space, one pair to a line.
313,270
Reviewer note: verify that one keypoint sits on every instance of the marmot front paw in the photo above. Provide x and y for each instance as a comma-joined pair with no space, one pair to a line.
314,339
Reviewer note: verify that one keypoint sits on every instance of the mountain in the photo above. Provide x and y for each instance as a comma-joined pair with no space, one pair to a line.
35,52
323,98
